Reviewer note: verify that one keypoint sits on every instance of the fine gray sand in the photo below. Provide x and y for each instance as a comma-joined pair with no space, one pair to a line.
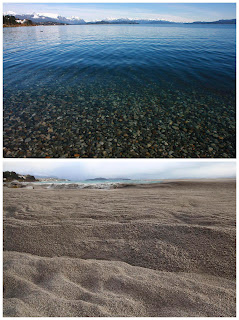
160,250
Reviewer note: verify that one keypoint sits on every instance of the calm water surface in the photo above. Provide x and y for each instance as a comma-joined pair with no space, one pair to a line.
119,91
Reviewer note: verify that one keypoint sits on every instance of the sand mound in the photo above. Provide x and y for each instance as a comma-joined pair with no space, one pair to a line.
76,287
143,251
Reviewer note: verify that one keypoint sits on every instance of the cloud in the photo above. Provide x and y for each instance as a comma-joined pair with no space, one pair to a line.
37,167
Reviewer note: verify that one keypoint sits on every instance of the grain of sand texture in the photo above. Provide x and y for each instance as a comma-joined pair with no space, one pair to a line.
151,250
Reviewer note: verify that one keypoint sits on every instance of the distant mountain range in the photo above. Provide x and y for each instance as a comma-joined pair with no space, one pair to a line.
45,18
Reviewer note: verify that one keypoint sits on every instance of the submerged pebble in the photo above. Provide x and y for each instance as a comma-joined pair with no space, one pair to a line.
103,120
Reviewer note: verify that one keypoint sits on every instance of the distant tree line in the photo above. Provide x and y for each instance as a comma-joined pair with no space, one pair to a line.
11,20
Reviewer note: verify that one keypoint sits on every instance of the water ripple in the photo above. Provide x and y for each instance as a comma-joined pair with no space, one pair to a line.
192,53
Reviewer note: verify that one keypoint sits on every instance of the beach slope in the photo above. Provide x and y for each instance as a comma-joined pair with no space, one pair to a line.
153,250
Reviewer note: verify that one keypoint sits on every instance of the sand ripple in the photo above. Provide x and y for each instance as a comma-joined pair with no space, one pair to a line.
76,287
166,250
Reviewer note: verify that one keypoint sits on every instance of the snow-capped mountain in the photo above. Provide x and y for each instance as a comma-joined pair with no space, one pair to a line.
54,17
117,20
45,17
10,13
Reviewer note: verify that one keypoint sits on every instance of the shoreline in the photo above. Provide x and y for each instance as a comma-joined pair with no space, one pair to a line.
147,183
34,25
16,26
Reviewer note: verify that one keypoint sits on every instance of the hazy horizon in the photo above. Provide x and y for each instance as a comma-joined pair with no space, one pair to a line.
175,12
82,169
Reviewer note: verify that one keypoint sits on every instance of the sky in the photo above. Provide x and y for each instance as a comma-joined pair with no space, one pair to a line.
177,12
81,169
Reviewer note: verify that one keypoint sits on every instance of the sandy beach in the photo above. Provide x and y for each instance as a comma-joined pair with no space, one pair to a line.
158,250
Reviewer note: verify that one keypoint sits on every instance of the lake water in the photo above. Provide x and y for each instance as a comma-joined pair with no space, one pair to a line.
93,184
119,91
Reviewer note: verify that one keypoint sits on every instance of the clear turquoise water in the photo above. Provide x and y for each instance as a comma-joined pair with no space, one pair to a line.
119,91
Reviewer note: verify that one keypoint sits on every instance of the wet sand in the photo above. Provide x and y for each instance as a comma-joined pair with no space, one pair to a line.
154,250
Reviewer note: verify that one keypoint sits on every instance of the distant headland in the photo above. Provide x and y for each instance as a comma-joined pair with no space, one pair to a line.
9,176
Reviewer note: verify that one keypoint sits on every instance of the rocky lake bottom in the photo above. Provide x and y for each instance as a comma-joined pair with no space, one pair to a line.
107,120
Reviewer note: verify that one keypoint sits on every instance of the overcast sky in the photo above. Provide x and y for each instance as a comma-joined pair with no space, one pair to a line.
80,169
177,12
